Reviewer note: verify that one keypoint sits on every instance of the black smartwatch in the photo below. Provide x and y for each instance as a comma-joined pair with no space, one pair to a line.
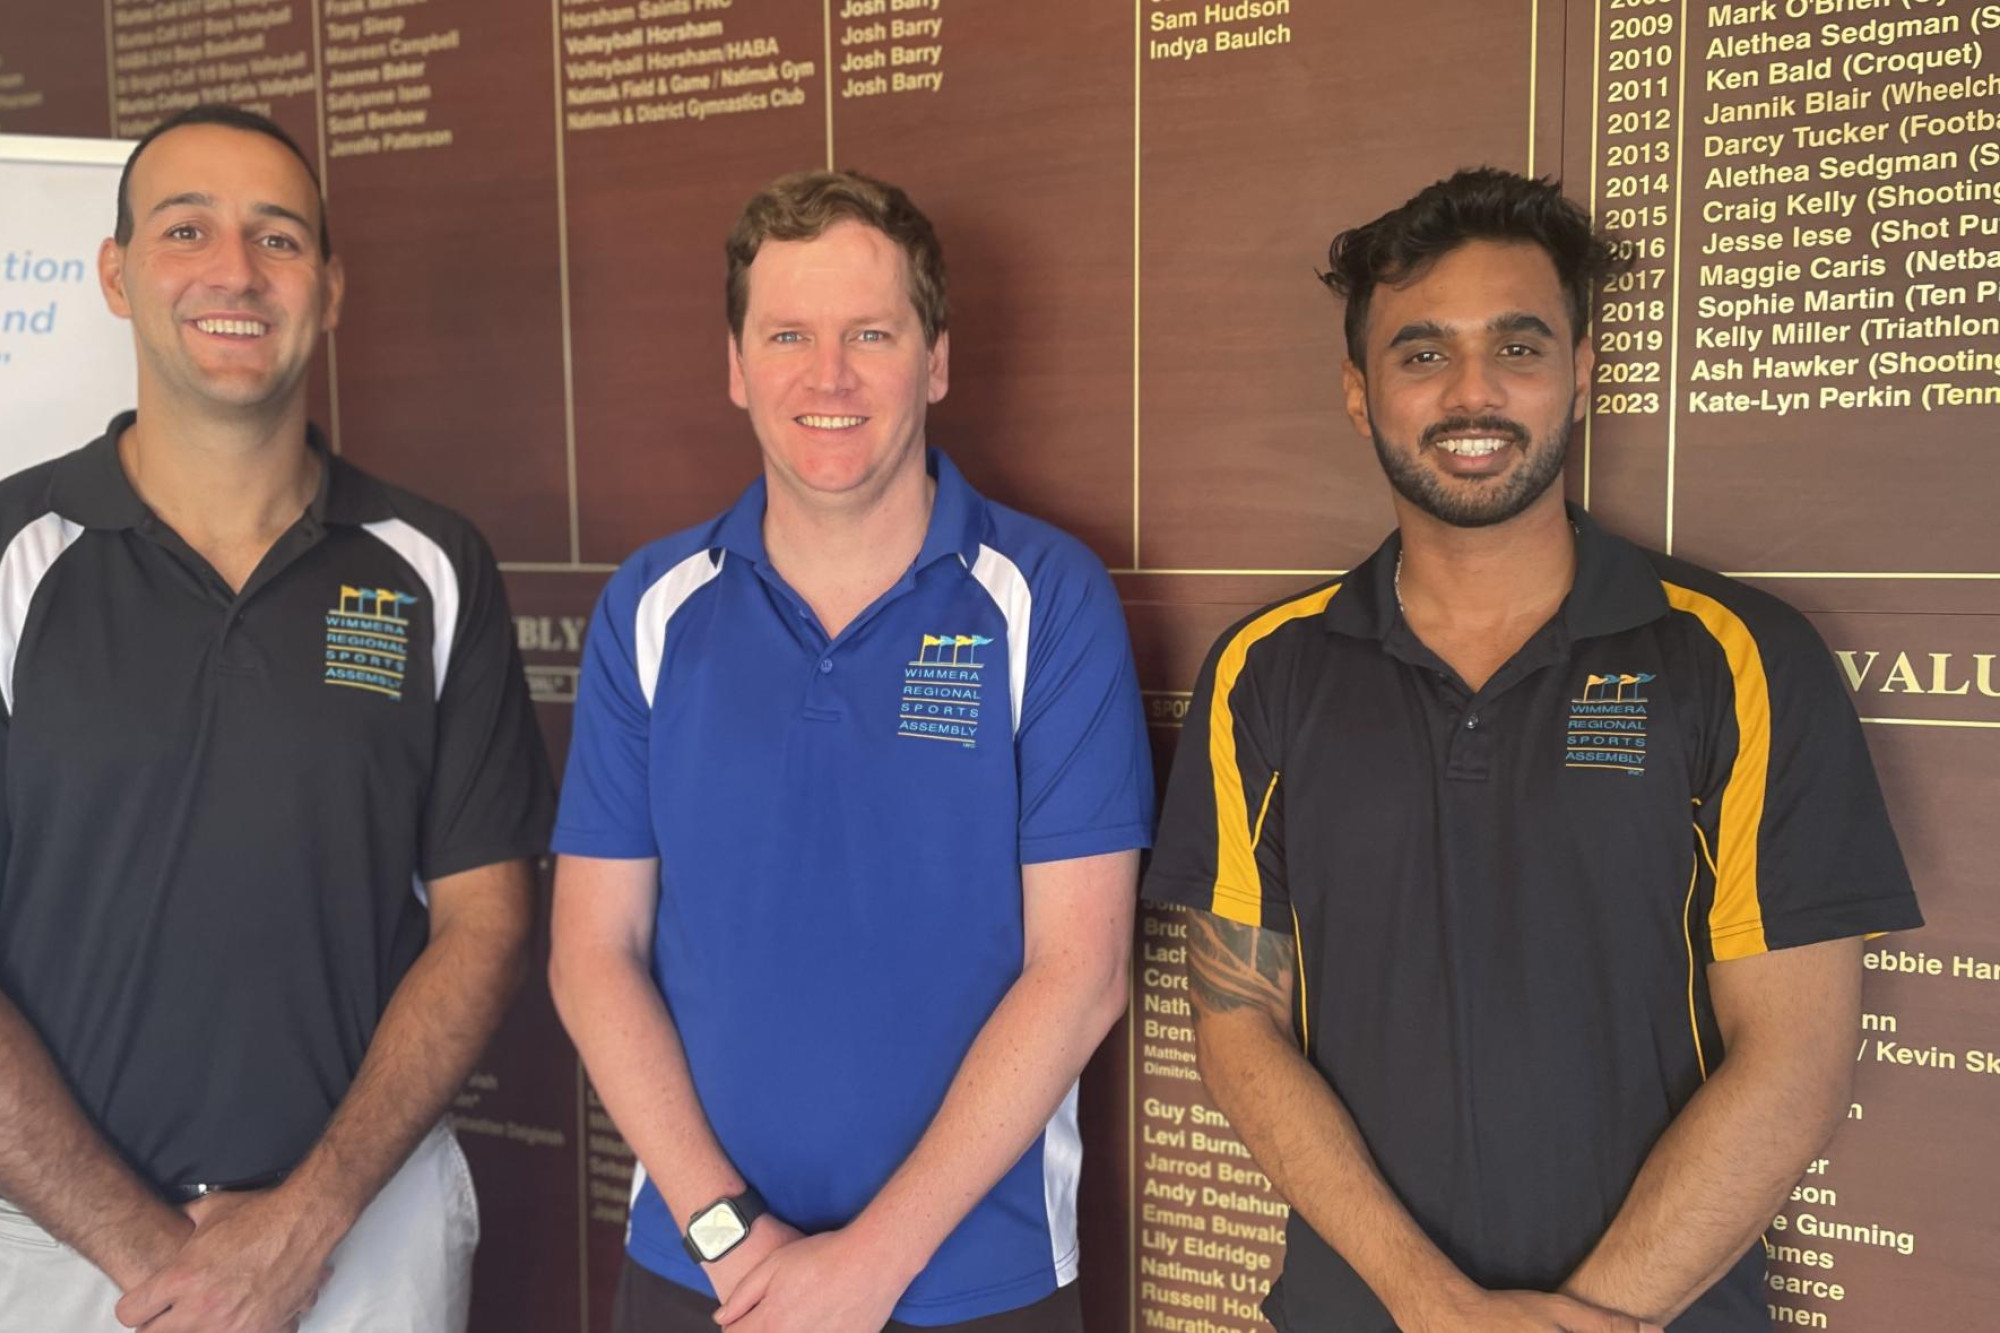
722,1226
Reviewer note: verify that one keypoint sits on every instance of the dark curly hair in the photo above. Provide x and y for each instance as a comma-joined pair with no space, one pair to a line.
1479,204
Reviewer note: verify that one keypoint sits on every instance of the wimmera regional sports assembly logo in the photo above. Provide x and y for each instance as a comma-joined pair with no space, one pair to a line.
941,689
1607,724
368,640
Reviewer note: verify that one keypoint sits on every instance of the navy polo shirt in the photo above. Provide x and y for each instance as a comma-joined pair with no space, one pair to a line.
840,826
221,805
1505,901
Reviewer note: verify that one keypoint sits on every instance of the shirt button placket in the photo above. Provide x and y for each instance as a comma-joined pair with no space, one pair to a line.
1471,749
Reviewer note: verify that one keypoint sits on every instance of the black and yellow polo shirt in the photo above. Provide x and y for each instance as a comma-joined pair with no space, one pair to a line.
1505,900
221,807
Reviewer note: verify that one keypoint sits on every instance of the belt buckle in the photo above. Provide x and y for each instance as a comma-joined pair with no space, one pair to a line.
202,1189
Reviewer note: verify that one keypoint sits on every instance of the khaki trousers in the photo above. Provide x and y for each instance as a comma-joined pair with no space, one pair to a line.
406,1267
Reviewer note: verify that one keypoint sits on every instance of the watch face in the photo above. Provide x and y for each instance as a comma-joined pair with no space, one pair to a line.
715,1230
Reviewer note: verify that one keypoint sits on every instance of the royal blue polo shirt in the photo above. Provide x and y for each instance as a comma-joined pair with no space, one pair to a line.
840,825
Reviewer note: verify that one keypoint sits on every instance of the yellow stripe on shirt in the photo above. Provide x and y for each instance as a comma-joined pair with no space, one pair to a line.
1687,934
1736,918
1305,1009
1239,891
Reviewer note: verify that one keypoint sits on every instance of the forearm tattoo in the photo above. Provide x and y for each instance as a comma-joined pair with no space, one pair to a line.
1233,966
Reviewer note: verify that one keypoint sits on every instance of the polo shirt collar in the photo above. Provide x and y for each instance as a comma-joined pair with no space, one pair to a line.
90,486
958,516
1616,588
958,522
1366,606
347,495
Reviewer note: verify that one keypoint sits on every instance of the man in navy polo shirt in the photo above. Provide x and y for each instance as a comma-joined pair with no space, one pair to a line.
850,834
270,778
1527,869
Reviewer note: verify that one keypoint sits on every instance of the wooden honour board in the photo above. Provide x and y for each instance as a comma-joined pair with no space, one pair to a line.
1798,386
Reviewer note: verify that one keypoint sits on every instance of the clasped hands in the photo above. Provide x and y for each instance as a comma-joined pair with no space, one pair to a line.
244,1262
779,1280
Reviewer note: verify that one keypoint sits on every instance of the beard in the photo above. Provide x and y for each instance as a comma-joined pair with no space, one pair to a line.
1477,502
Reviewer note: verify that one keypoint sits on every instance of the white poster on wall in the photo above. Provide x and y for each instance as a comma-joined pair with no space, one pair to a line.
66,362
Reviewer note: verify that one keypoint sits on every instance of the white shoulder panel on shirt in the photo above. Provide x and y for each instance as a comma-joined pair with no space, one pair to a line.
1008,588
28,559
435,569
658,605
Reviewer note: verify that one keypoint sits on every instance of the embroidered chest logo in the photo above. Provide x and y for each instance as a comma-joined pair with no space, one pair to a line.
1607,724
368,640
941,690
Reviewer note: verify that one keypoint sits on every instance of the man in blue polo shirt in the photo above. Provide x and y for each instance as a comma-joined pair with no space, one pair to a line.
850,834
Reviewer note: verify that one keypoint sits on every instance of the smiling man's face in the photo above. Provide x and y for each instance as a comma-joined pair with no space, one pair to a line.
1474,379
832,365
222,278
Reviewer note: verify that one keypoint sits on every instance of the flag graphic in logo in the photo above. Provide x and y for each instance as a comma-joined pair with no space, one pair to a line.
1607,723
368,640
941,689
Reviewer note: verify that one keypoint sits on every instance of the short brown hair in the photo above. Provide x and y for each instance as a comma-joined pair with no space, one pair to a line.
802,206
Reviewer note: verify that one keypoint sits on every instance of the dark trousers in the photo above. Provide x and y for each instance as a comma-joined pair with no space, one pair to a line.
649,1303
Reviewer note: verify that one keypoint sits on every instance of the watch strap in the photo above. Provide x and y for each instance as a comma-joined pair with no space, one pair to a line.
750,1206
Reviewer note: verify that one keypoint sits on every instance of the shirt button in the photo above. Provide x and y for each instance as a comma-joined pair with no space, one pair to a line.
1472,723
825,665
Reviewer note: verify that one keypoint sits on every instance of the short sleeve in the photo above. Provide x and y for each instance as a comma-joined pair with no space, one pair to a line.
1795,841
490,798
1086,770
6,822
1221,843
605,806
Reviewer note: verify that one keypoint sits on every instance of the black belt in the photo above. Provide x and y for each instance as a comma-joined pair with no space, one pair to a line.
201,1189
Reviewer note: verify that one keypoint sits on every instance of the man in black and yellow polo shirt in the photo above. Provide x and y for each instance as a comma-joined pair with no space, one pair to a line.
1528,869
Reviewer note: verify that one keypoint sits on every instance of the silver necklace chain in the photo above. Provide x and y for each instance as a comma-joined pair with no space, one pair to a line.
1396,581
